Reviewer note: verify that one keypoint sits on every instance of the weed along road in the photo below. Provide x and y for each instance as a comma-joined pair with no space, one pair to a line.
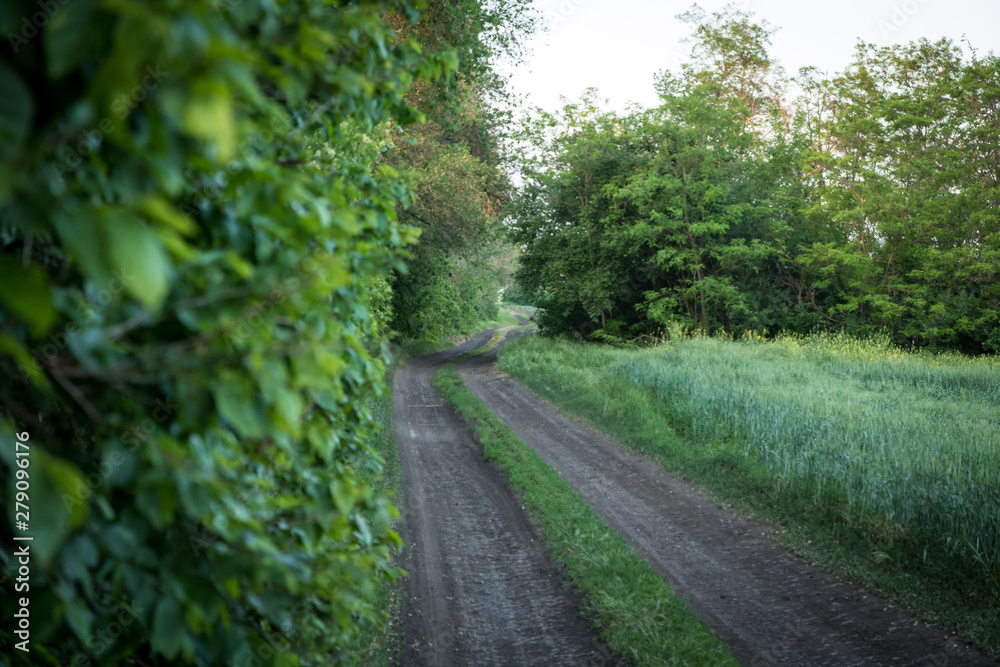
481,589
771,607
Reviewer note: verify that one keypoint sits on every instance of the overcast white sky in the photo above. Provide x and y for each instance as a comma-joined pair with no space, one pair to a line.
618,45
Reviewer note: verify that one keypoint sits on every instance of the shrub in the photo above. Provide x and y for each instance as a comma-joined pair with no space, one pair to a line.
193,234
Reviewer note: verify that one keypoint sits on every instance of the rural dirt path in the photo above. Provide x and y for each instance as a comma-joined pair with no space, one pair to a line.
481,588
771,607
523,317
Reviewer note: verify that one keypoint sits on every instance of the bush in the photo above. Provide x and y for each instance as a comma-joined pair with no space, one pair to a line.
193,235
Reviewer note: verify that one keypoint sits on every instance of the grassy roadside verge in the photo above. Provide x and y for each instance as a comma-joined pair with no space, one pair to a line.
377,645
640,616
607,389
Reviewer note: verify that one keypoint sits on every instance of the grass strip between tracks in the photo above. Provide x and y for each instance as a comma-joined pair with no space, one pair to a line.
641,618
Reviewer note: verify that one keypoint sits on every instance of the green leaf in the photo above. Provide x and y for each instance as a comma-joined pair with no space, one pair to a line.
66,507
82,234
168,633
160,210
232,585
69,37
137,252
80,618
29,368
208,115
25,291
16,112
343,496
286,660
157,501
235,398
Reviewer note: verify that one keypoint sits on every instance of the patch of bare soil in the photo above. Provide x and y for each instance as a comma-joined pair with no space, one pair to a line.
771,607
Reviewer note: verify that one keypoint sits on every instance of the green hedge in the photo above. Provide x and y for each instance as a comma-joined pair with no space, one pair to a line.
193,230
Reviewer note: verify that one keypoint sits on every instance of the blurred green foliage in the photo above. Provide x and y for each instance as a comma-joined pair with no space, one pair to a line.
196,229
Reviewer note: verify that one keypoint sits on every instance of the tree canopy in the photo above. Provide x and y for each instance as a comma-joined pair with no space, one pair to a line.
867,203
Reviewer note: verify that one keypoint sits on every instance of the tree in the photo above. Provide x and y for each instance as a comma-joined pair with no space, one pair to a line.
730,62
907,178
457,159
568,256
629,224
868,205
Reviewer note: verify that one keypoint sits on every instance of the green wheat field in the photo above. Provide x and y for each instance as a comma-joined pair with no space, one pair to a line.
911,441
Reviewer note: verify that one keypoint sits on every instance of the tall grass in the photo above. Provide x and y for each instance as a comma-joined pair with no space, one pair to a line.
909,441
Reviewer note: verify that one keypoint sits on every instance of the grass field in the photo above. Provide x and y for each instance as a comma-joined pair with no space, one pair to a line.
883,464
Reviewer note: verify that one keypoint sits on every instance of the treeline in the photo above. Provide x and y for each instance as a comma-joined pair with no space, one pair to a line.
868,201
462,261
200,221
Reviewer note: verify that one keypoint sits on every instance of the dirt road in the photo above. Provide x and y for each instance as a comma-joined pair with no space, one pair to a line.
771,607
481,590
523,316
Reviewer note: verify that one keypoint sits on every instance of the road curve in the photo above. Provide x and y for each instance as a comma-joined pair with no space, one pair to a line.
771,607
481,589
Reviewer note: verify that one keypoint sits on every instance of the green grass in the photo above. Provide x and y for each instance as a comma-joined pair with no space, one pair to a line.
640,616
376,644
882,465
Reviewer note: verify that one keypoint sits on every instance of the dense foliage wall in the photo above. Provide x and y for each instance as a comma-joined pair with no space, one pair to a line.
196,226
869,203
462,261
